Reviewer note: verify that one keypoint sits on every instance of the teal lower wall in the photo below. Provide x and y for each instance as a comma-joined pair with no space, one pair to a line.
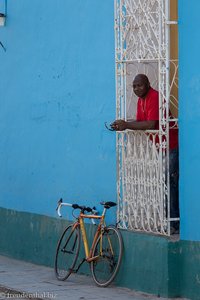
189,253
144,264
151,264
29,237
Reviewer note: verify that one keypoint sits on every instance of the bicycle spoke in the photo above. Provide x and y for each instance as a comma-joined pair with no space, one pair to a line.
108,248
67,252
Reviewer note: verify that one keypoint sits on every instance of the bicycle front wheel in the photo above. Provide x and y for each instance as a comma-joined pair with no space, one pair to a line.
108,253
67,252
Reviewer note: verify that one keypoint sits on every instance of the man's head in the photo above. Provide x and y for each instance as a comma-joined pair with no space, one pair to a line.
141,85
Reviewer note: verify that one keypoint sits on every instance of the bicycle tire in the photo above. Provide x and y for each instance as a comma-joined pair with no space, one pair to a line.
67,252
108,249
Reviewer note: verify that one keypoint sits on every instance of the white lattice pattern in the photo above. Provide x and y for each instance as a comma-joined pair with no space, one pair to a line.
141,36
142,164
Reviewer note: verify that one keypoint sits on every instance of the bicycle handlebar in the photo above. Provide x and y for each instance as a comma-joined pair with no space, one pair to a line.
60,204
74,206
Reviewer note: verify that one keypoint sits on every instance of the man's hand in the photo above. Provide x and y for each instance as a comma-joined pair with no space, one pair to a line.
119,125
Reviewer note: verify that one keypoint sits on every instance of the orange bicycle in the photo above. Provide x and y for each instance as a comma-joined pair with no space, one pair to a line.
105,253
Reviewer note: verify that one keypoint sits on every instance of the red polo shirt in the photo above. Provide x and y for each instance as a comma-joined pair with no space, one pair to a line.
148,110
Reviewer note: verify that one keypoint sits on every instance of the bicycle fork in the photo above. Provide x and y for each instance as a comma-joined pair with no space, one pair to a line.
70,251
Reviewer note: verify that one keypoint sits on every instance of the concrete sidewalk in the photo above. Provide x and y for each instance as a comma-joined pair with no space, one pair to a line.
21,280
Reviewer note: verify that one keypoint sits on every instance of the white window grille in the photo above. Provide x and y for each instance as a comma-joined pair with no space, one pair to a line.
142,40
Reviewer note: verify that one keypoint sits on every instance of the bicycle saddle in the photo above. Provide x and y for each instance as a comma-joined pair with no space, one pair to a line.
108,204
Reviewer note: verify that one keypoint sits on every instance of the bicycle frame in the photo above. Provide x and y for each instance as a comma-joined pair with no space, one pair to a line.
88,251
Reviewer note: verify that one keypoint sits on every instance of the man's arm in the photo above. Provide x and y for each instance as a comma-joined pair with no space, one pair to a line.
120,125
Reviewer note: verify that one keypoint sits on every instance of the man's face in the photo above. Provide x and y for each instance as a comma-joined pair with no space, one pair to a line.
140,87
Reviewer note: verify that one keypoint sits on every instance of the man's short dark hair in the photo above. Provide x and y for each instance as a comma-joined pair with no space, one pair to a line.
142,77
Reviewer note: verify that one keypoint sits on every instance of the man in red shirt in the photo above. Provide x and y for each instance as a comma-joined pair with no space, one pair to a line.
147,118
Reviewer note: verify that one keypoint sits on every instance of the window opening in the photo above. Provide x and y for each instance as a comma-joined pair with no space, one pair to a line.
143,30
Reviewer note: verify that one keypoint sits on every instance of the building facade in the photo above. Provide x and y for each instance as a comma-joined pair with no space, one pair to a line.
58,88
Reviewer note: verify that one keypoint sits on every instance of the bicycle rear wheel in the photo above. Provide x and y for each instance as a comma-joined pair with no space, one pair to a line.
108,249
67,252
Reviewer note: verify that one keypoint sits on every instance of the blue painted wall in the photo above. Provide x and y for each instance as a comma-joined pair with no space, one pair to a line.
189,115
57,89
